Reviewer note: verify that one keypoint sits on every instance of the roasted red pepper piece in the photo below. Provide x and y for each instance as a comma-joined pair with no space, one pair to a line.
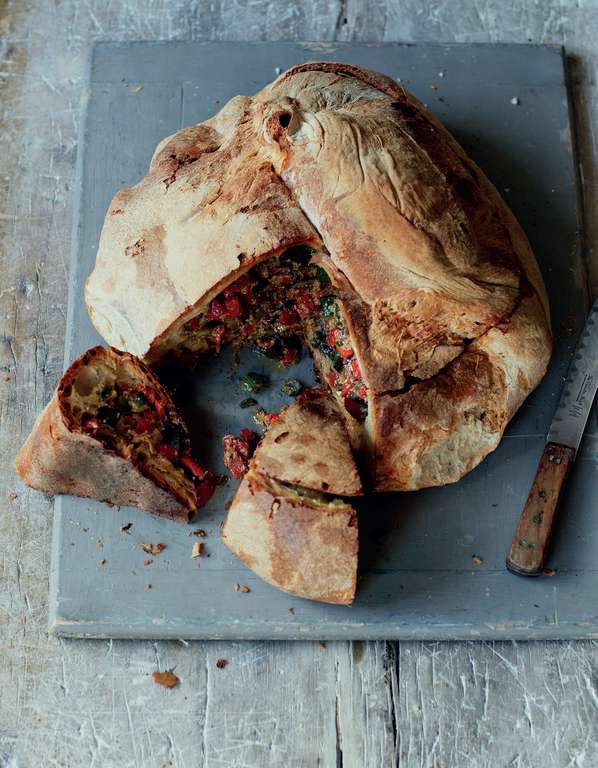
355,369
290,356
194,324
345,352
153,399
198,471
205,490
243,285
347,388
332,379
305,305
354,408
91,423
287,317
146,422
332,337
249,435
216,310
168,450
233,307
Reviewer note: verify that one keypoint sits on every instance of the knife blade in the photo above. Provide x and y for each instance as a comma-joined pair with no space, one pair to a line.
530,543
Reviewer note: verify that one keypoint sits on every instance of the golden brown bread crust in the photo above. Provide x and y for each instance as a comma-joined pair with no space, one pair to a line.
58,457
302,548
308,445
433,265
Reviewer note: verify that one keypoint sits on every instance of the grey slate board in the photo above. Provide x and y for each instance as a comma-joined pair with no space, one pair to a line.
418,577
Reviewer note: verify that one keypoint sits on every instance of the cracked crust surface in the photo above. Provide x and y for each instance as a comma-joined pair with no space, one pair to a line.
305,548
308,445
437,271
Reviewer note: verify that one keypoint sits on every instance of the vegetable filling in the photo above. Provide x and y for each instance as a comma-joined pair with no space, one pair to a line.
276,307
135,420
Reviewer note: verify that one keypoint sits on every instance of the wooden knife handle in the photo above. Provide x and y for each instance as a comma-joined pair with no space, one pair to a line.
532,537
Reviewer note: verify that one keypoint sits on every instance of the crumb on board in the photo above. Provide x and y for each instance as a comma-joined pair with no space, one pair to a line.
166,679
199,532
236,586
137,89
277,71
148,561
221,663
197,550
103,561
291,610
126,528
13,496
153,549
245,589
322,644
434,87
100,543
84,529
477,559
549,572
147,585
515,101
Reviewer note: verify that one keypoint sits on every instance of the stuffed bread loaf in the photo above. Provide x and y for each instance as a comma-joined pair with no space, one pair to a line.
441,322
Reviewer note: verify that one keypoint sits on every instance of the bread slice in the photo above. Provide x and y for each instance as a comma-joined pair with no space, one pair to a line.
111,432
296,540
308,445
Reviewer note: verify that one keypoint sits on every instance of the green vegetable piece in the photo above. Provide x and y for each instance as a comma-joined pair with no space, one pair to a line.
248,402
292,388
254,382
138,402
328,305
322,275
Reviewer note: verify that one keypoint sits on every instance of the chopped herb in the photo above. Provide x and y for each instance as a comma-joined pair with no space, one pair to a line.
321,275
542,494
254,382
292,388
249,402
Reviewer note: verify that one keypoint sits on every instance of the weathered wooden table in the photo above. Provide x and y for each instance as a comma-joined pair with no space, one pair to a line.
87,704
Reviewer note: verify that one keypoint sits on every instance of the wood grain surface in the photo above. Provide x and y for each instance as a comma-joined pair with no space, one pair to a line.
78,703
529,548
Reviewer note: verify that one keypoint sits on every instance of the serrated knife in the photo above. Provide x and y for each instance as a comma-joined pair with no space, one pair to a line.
532,537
